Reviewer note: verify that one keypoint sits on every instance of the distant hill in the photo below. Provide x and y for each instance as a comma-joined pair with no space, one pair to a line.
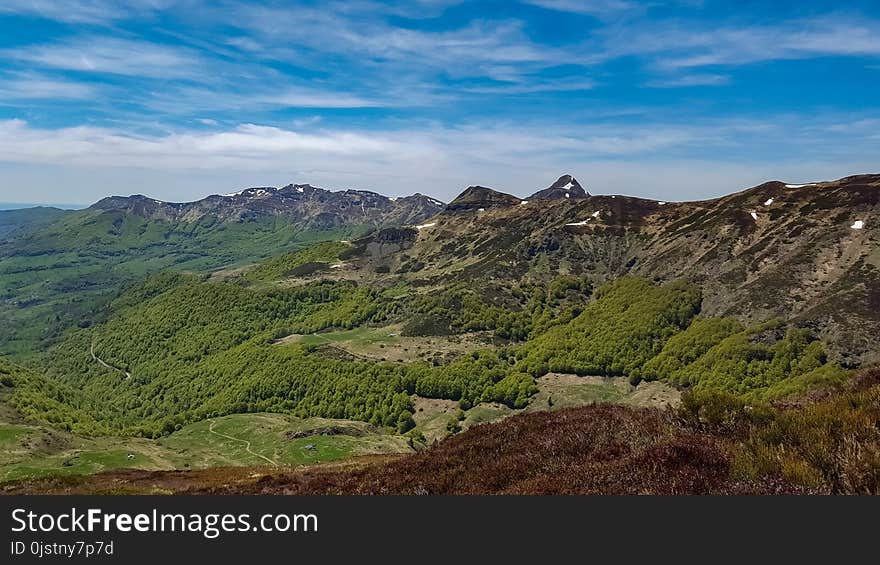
17,220
306,206
22,206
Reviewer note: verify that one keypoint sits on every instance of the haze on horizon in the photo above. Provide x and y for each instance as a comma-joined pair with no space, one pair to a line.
678,100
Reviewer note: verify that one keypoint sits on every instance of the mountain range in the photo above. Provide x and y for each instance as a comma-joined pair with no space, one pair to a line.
314,325
306,206
808,252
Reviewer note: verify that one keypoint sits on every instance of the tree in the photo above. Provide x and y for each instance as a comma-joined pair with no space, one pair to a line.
405,422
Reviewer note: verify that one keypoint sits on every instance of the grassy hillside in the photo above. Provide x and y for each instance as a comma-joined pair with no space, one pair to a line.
255,440
798,257
714,444
64,272
290,264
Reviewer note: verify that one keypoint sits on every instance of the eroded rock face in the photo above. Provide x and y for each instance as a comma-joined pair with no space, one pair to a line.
400,236
389,241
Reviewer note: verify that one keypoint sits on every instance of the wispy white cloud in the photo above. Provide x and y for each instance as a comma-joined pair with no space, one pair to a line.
302,123
650,159
591,7
100,54
471,50
83,11
256,146
33,86
368,61
682,45
184,100
689,80
313,98
247,145
532,87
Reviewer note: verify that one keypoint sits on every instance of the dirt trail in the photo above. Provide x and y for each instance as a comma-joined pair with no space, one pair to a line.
107,365
247,444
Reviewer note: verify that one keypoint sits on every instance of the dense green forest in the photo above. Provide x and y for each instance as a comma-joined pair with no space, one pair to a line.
179,348
624,327
46,400
523,312
768,360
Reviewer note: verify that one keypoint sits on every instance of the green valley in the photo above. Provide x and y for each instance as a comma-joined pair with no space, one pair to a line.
160,342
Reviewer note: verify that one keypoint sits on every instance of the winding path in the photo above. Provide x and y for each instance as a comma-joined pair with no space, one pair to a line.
107,365
247,444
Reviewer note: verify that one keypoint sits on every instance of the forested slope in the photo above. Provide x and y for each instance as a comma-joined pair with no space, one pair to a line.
181,348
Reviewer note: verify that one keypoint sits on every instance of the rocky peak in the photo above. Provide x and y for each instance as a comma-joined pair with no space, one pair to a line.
565,187
295,189
138,205
480,197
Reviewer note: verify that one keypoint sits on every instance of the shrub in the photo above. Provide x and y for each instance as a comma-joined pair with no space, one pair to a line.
405,422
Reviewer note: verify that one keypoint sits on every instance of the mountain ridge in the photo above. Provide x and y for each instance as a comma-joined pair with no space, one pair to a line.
806,251
317,207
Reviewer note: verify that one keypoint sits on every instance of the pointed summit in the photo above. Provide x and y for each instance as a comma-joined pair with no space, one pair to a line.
566,187
480,197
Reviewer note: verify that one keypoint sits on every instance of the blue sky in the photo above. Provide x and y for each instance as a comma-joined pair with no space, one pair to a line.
178,99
